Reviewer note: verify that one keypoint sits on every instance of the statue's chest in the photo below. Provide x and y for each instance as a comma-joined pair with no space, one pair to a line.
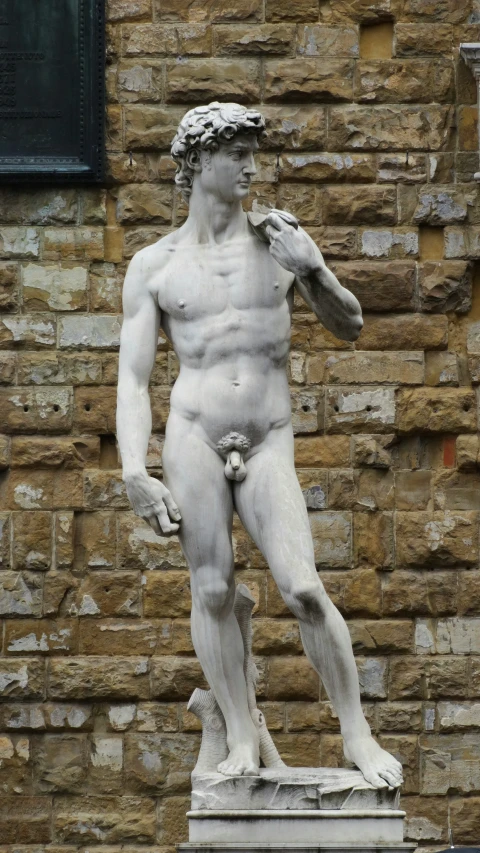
207,282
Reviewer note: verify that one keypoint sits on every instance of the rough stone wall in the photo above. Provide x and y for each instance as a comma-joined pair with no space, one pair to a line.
372,144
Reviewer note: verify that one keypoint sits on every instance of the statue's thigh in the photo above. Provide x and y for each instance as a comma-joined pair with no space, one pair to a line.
272,508
194,474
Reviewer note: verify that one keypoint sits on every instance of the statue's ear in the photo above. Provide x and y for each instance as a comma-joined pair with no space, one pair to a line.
194,160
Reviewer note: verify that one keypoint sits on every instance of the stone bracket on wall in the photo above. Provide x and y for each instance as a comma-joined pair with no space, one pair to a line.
470,51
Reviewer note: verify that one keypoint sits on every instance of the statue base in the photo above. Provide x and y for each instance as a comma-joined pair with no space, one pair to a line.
292,808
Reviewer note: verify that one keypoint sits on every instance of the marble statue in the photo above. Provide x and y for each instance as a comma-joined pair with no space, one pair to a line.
221,286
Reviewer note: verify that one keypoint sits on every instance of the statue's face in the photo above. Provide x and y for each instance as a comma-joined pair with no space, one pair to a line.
227,173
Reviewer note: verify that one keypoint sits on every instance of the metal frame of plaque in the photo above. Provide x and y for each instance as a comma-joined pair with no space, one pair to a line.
52,90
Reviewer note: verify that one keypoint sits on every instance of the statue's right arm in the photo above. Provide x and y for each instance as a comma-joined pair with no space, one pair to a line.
149,498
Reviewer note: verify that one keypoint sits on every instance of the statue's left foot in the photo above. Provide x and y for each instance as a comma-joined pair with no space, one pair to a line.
378,767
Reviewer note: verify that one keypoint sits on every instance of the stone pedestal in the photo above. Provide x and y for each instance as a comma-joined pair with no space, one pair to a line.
298,809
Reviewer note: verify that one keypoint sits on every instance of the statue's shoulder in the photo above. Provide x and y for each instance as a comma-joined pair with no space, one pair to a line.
151,259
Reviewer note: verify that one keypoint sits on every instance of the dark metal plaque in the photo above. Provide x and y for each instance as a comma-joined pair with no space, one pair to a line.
51,90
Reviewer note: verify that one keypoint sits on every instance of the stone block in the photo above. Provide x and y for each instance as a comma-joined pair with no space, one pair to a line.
302,201
449,11
373,539
384,368
38,330
465,820
373,675
462,243
101,331
64,530
373,451
69,244
327,168
400,717
126,10
94,409
318,40
386,243
449,761
144,203
150,127
436,539
457,716
193,11
116,820
38,206
354,410
140,547
147,39
362,593
413,490
445,286
272,637
9,286
335,241
308,79
36,489
60,764
359,205
457,490
140,81
25,820
15,765
468,452
44,636
395,81
404,331
104,490
323,451
94,678
441,368
105,768
260,39
291,678
364,11
44,409
104,593
440,206
20,593
381,127
95,540
313,483
431,410
20,243
174,679
48,368
416,39
197,80
159,763
116,637
32,540
294,127
332,538
280,10
54,452
402,168
417,592
22,678
360,490
8,367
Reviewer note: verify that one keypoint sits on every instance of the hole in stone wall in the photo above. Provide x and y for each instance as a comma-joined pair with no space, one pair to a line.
56,407
87,407
376,40
26,408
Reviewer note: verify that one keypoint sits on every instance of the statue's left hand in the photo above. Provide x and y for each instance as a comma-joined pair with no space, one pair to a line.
292,248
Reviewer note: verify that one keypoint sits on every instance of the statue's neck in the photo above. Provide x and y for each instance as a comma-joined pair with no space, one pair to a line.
211,220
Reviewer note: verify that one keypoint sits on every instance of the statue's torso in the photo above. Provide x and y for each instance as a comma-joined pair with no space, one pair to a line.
227,310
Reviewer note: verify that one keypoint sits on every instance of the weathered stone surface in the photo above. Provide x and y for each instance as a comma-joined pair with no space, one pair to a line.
308,79
383,127
402,168
201,80
194,10
30,409
117,637
94,677
407,331
174,678
359,205
145,39
323,451
65,451
256,39
159,764
38,206
440,206
430,410
457,490
337,368
468,452
101,331
372,451
414,81
317,40
441,368
379,286
80,820
122,10
150,128
327,167
37,330
139,546
418,592
104,593
413,490
373,540
32,538
295,127
450,11
61,368
72,244
20,593
436,539
144,203
42,636
443,766
9,286
422,39
140,80
359,409
22,678
464,243
332,538
387,243
104,490
25,820
281,10
60,764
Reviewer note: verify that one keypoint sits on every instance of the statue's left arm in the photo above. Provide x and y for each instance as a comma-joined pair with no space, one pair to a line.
335,306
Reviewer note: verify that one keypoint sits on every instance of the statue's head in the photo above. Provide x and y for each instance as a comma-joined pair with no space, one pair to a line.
213,139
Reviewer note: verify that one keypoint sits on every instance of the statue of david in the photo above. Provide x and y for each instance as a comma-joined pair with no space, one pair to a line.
222,289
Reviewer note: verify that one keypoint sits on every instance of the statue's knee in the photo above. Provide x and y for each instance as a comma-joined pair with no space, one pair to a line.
307,600
213,595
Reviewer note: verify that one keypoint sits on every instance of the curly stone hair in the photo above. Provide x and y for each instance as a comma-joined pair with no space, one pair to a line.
206,128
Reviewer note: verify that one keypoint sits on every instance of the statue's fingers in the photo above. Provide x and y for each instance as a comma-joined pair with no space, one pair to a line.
172,507
164,519
154,524
276,221
271,232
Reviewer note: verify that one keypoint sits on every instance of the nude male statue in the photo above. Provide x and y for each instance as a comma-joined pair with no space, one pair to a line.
224,298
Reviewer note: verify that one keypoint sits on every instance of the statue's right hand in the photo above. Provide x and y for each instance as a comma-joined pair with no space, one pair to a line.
151,500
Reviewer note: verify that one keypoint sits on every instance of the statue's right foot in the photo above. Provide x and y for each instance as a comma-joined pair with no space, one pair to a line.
243,758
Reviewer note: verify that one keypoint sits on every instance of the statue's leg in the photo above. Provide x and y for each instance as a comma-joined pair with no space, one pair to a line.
272,508
194,473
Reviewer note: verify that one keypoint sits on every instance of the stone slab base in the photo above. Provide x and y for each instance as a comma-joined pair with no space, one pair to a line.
380,828
190,847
